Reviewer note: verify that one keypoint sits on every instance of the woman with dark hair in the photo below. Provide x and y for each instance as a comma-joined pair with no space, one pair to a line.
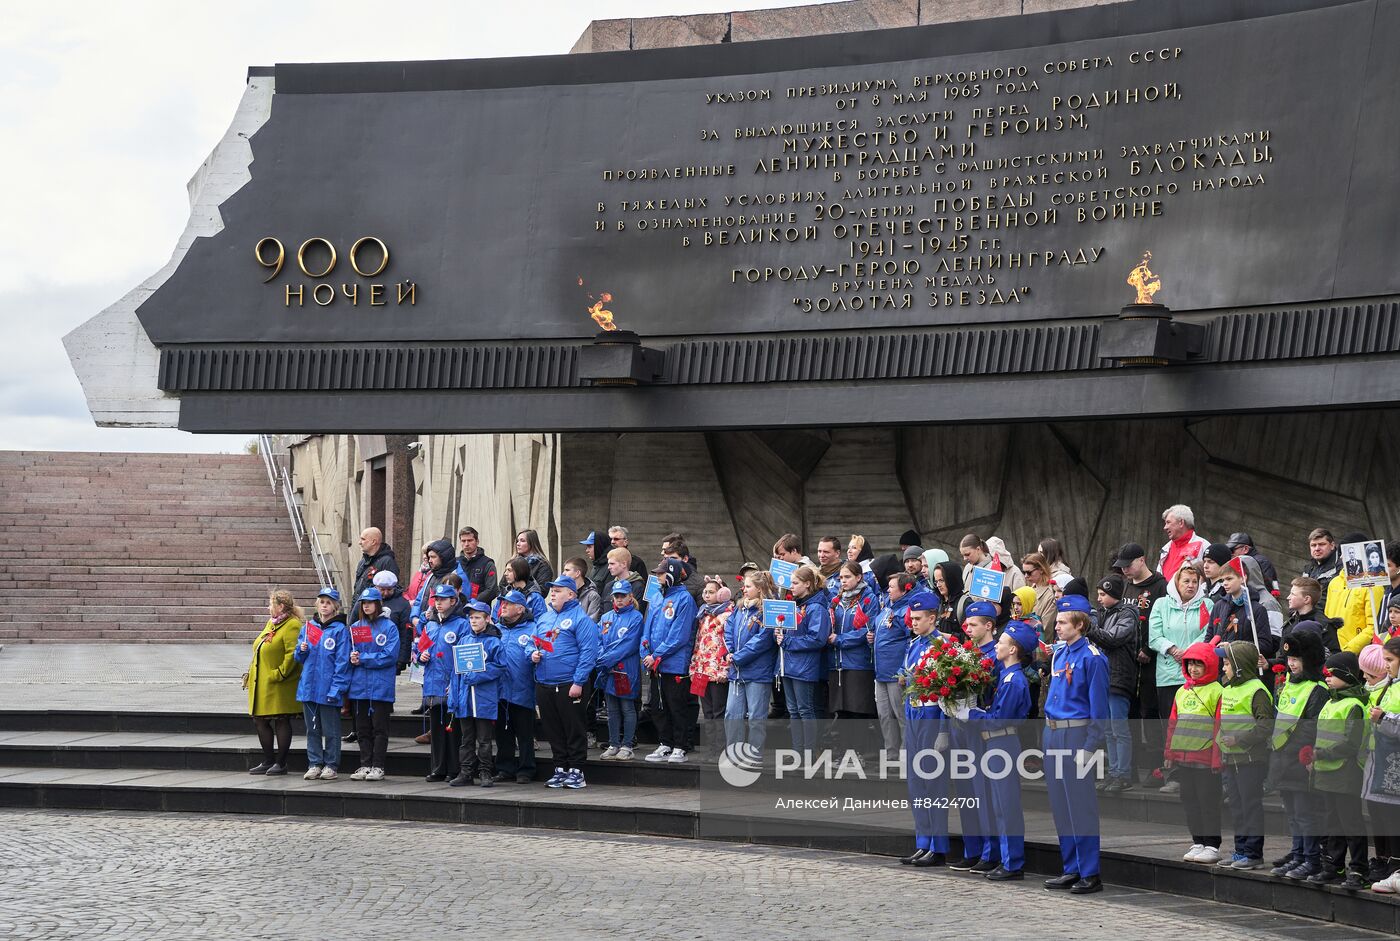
516,575
1054,556
527,547
851,682
442,562
948,584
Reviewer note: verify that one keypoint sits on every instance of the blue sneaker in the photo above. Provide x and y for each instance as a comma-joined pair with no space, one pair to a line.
557,779
574,779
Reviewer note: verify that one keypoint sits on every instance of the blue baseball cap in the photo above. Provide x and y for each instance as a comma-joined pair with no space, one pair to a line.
622,586
589,539
1024,635
444,591
515,597
980,609
481,606
328,592
370,594
1073,603
564,581
923,600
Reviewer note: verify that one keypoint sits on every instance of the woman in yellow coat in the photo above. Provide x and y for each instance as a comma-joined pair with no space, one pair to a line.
271,681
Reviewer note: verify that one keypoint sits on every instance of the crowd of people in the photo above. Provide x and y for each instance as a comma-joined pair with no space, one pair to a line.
1238,687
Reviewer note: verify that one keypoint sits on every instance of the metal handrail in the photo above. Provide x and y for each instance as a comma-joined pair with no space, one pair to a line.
281,479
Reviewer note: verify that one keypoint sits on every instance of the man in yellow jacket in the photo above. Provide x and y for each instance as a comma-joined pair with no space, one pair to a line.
1351,607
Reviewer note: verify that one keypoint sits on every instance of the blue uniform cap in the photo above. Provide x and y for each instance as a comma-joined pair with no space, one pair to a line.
564,581
481,606
1024,635
370,594
589,539
980,609
514,597
444,591
1073,603
622,586
922,600
328,592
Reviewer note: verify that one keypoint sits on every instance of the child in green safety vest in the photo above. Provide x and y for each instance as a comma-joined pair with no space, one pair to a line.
1382,774
1246,713
1193,752
1300,700
1336,772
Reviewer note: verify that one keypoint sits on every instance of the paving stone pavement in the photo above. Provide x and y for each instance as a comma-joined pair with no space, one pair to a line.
126,875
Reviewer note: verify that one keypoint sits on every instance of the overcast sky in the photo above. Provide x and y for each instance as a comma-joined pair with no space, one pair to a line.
107,109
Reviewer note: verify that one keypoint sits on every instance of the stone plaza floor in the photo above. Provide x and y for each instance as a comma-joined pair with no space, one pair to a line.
125,875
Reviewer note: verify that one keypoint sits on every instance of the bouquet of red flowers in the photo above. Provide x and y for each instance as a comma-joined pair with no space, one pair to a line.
949,671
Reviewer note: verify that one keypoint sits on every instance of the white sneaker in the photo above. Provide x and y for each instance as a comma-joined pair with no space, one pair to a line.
312,773
676,757
661,754
375,774
1190,855
1390,886
609,753
328,773
360,774
1208,856
624,754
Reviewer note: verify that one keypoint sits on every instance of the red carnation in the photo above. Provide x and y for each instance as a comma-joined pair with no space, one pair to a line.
956,671
968,644
944,691
1279,668
986,663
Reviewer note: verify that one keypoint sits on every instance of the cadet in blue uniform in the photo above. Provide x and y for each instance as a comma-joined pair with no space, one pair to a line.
565,657
620,670
323,650
668,637
1076,708
474,699
997,728
438,635
374,657
928,784
981,851
515,715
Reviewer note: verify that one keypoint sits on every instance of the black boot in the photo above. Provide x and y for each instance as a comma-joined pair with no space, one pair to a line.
930,859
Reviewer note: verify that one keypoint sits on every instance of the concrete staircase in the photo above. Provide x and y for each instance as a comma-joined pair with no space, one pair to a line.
141,548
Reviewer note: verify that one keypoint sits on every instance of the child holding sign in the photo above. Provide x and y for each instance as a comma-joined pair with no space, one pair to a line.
473,695
374,654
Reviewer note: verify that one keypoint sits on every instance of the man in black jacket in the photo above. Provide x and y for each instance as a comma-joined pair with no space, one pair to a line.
1116,635
1243,544
1142,586
377,557
597,555
396,606
475,568
1325,561
618,539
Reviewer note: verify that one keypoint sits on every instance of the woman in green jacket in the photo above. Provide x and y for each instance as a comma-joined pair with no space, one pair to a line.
271,681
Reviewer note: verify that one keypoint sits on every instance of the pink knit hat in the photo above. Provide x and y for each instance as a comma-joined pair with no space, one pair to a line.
1372,659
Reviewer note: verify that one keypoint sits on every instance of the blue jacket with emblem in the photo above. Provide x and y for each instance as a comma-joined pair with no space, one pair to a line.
891,639
753,655
441,638
574,636
325,665
802,654
919,712
1079,687
619,656
850,623
669,632
373,677
476,695
518,678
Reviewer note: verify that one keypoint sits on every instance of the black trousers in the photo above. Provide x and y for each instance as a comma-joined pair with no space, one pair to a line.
372,731
715,699
278,729
1200,799
679,711
565,723
515,739
474,754
442,742
1346,831
1385,828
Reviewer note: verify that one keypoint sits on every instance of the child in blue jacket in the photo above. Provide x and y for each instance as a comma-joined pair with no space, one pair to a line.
436,638
374,655
620,670
474,695
323,650
515,713
801,655
753,662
